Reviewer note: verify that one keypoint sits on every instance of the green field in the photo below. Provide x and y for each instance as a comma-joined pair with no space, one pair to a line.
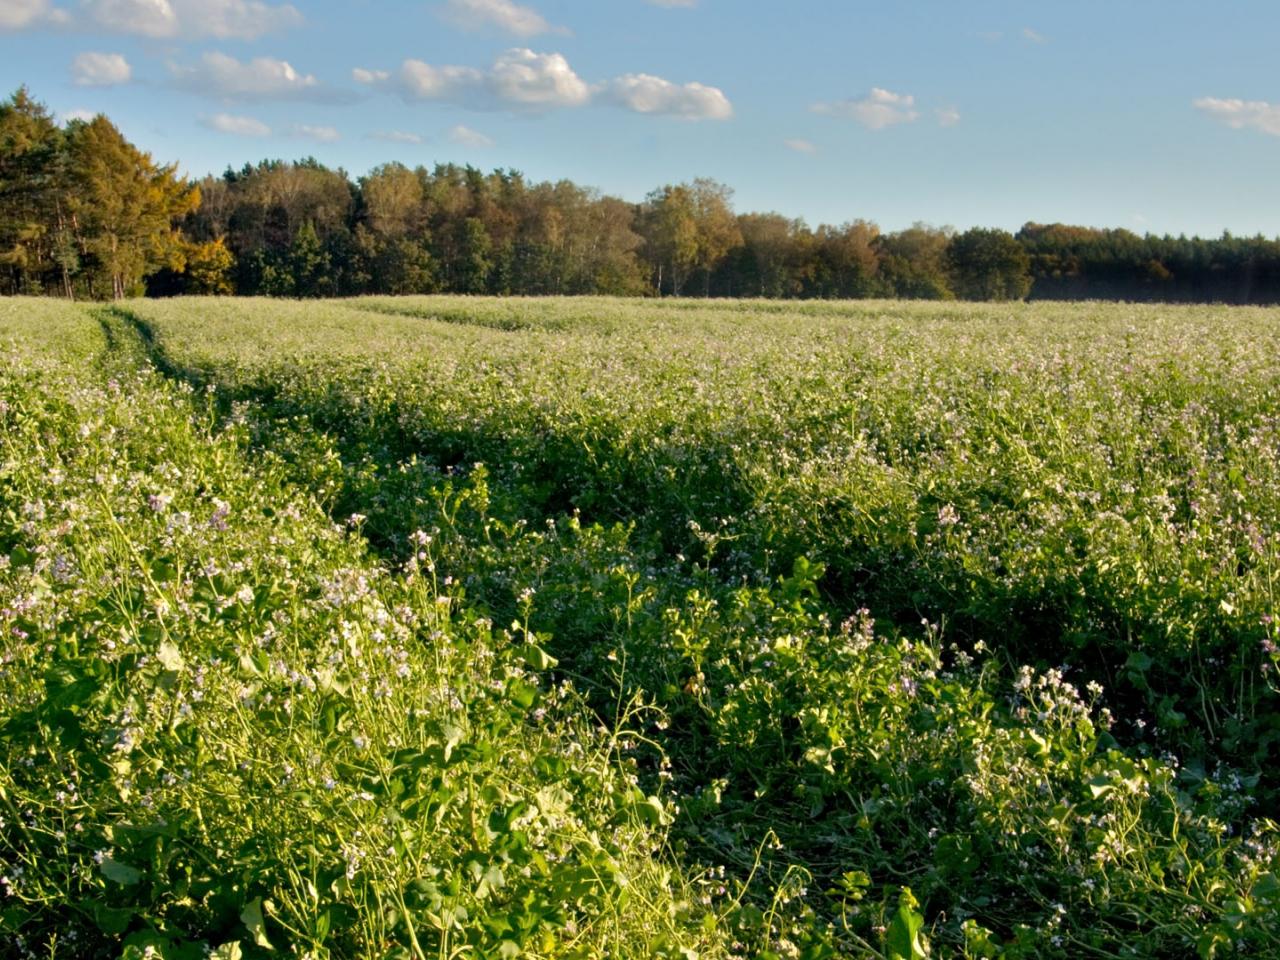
452,627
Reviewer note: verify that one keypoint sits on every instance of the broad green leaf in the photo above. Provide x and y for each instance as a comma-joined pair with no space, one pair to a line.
537,658
120,873
170,657
254,922
903,940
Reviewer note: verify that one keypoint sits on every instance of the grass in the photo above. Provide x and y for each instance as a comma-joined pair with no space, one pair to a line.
454,627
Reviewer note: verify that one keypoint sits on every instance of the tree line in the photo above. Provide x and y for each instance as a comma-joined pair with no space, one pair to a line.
85,214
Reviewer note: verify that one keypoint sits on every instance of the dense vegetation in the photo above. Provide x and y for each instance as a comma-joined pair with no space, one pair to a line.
588,627
83,214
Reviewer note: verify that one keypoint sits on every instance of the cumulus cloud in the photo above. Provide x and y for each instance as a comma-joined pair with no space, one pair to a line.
396,136
1242,114
237,126
537,80
262,78
223,19
879,109
466,137
524,80
518,78
644,93
24,14
100,70
318,134
947,116
801,146
504,15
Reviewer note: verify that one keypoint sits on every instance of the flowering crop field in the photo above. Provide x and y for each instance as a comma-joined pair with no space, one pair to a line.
453,628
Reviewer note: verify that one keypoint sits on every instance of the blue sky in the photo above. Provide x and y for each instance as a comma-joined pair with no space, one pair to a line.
1159,115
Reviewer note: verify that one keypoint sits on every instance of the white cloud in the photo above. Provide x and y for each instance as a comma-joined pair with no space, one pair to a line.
947,116
396,136
1033,36
369,77
674,3
100,70
1242,114
235,19
505,15
524,80
466,137
262,78
422,81
223,19
518,78
318,134
79,114
21,14
537,80
644,93
237,126
150,18
879,109
801,146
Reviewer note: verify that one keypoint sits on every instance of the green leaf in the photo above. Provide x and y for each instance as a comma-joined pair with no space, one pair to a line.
1139,661
170,657
228,951
537,658
112,920
522,694
903,940
253,921
120,873
652,812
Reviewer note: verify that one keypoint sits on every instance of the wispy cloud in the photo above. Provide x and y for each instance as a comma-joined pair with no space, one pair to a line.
305,131
236,125
673,3
801,146
947,116
1033,36
396,136
504,15
221,19
224,77
879,109
1242,114
29,14
466,137
100,70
